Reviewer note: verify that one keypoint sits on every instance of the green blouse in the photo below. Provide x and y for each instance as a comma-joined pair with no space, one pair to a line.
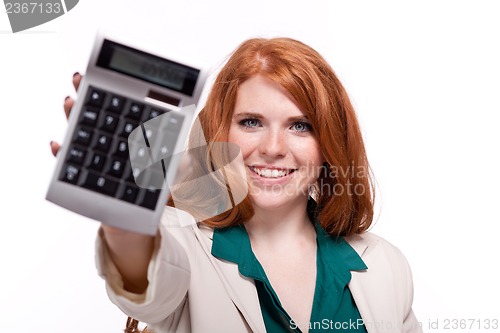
333,308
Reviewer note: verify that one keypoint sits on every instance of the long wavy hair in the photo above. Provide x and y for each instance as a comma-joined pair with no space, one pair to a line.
344,196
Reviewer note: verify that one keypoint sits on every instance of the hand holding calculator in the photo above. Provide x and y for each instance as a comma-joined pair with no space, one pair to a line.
126,133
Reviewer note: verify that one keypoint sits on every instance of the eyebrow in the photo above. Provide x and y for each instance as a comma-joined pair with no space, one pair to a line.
259,116
247,114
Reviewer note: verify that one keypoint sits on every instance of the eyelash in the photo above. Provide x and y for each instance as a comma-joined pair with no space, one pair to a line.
245,123
307,126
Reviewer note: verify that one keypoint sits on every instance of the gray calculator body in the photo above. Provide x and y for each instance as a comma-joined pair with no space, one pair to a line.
125,89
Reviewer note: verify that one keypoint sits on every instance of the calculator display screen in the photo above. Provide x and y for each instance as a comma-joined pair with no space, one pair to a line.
147,67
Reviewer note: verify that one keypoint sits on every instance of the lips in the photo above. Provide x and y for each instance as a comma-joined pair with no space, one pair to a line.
271,172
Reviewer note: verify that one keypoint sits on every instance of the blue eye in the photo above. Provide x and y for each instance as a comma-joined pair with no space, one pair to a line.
249,123
301,126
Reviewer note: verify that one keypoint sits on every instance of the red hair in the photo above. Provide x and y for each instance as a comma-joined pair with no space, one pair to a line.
345,202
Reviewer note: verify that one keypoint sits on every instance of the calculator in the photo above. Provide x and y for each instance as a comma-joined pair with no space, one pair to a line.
126,134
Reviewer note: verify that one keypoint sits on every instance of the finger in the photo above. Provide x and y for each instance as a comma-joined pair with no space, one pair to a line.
54,147
68,104
77,77
114,232
109,230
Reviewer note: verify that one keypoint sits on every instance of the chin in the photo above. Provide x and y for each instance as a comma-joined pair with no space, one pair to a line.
270,201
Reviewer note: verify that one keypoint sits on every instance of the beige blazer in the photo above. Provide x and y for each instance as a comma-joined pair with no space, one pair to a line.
192,291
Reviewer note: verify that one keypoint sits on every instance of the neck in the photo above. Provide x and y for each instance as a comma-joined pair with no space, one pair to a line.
280,226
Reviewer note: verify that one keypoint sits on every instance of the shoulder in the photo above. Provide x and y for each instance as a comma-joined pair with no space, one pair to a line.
384,260
388,270
179,228
370,245
388,278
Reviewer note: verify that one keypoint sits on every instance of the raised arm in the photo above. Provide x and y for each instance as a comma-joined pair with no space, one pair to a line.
130,252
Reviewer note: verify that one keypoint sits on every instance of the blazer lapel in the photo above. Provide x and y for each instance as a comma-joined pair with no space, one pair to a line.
240,289
366,289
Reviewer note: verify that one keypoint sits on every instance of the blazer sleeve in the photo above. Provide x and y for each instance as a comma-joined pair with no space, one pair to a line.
168,275
384,292
410,322
402,280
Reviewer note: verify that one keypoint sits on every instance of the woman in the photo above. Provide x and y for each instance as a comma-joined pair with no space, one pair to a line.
279,261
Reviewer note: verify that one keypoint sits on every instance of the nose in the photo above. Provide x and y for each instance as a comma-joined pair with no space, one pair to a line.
274,144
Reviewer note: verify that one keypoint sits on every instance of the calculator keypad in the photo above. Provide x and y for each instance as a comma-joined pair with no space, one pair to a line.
98,156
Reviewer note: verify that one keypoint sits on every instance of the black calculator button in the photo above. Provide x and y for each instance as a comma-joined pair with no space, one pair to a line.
101,184
116,104
89,117
100,157
109,123
76,155
103,143
122,149
140,155
135,111
97,162
131,173
128,127
96,97
150,198
130,193
155,113
150,134
163,148
116,168
83,136
70,173
175,120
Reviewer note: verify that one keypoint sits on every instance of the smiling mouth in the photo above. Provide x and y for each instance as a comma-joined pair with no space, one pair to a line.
271,173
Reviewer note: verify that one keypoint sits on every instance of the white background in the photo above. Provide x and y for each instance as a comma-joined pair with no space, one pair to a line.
424,77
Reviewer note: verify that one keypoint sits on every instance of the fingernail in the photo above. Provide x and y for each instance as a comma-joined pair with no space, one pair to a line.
66,98
76,73
51,142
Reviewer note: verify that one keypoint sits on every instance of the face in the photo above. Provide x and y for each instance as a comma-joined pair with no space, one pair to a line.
281,154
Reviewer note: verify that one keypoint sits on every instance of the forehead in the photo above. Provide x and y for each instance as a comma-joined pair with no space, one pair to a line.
259,94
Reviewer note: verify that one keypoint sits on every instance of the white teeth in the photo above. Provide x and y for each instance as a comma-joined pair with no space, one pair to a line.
270,173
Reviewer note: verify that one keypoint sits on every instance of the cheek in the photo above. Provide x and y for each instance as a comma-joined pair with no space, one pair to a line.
309,152
233,136
310,159
242,141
